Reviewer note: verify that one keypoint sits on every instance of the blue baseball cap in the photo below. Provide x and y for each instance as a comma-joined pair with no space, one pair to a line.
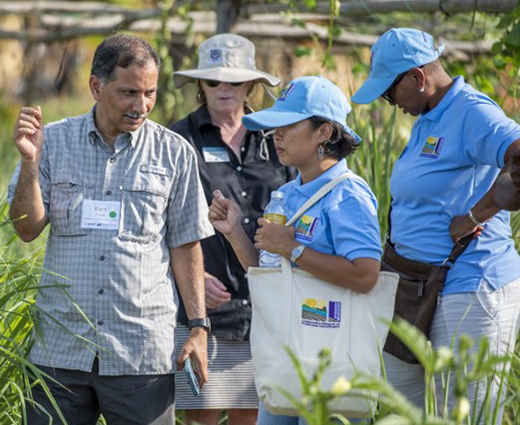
396,51
301,99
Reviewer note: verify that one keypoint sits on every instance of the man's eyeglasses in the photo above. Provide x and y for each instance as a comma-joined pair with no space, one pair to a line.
388,95
215,83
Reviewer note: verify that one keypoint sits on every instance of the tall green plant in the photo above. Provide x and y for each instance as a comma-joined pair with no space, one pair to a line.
375,157
18,285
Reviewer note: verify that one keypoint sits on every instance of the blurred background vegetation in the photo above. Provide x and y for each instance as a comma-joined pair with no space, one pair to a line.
45,57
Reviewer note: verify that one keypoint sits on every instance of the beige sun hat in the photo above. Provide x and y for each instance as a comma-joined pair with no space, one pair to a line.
225,57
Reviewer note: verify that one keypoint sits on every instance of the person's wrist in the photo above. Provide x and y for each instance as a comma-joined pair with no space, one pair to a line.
31,162
287,253
202,323
199,330
473,219
297,252
236,235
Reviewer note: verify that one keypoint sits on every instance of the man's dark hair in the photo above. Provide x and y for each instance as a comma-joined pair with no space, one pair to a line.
121,50
341,144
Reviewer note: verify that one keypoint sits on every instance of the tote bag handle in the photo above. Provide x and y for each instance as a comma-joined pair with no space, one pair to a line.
326,188
287,271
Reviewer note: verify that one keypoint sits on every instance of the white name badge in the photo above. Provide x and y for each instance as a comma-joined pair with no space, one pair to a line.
102,215
215,154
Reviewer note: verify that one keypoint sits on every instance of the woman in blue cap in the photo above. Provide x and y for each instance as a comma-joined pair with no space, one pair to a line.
442,189
342,243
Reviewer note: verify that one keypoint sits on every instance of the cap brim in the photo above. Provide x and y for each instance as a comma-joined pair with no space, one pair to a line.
277,117
372,89
228,75
353,134
272,118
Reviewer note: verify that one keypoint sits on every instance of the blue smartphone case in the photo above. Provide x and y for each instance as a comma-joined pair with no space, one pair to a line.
192,378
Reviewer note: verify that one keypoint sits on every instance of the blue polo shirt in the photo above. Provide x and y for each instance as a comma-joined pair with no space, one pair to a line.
454,155
343,222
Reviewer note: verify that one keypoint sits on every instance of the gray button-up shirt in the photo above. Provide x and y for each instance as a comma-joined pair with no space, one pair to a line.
112,291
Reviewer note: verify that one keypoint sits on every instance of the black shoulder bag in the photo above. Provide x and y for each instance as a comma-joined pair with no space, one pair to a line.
420,286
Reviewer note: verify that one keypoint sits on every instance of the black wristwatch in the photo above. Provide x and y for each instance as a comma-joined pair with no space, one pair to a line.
203,323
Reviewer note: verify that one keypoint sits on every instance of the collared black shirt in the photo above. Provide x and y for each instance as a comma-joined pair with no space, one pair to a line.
248,183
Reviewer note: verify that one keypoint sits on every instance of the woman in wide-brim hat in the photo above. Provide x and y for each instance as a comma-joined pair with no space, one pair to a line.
244,166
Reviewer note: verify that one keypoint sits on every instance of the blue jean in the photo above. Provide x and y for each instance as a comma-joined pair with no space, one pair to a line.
267,418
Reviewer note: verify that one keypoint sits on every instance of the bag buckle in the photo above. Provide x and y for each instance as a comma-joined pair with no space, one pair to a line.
447,263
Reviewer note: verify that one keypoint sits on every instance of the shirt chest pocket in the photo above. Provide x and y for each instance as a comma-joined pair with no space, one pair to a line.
67,194
144,204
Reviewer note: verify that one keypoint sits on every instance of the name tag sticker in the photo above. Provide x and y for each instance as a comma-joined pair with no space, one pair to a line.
215,154
102,215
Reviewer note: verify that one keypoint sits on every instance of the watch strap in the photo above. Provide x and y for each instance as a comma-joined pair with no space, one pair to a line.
203,322
297,252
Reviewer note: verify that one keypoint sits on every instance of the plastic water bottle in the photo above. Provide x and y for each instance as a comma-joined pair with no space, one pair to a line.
275,214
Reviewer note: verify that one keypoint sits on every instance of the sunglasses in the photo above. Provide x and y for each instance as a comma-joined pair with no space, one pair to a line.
215,83
388,95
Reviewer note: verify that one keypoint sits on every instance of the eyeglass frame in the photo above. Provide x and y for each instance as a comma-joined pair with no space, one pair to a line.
215,83
386,95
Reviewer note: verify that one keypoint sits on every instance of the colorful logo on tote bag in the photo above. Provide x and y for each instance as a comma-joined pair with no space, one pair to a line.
321,313
432,147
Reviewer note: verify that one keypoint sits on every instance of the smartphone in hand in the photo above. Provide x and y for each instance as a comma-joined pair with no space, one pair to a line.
192,377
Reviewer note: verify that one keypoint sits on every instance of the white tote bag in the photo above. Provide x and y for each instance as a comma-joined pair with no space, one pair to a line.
295,309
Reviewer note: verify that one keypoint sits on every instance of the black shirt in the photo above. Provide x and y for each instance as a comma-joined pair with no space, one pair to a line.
248,183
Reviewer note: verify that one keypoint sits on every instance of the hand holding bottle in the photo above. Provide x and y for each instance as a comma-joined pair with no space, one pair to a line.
272,228
274,240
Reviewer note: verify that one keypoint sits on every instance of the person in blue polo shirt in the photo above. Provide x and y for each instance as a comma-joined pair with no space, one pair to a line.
442,189
339,240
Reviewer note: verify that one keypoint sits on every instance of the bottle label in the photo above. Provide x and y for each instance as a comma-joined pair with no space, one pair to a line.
276,218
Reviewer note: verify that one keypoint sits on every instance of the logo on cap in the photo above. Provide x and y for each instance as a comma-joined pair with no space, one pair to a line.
215,55
371,60
285,92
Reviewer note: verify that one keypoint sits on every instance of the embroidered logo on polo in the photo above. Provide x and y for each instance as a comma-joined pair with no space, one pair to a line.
321,313
306,228
432,147
285,92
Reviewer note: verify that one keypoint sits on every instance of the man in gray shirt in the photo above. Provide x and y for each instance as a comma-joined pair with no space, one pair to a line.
126,212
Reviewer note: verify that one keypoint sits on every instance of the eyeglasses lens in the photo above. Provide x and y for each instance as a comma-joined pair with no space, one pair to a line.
387,95
215,83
